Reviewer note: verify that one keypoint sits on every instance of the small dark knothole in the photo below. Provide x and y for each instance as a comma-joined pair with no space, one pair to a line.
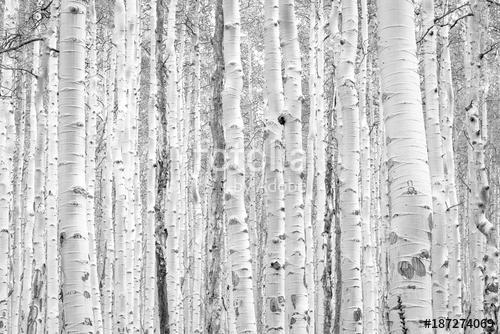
85,276
281,119
411,188
357,314
74,10
86,294
275,265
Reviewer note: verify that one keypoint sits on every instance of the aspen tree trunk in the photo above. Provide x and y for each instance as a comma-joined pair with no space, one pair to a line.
28,196
408,174
274,303
36,319
435,150
369,285
108,303
17,203
484,277
119,147
447,109
150,171
352,304
6,166
52,252
90,167
296,291
310,166
196,194
234,190
215,310
173,188
320,174
73,231
130,149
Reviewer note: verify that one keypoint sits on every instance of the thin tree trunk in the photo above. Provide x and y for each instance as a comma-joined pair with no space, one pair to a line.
447,108
352,304
151,186
6,166
274,308
296,290
436,164
234,190
52,252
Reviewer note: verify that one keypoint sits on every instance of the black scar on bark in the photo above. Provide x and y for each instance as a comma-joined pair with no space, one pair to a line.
281,119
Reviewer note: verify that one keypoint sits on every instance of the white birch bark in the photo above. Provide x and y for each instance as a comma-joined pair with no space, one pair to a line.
274,309
297,319
52,252
370,284
310,166
73,231
234,190
447,110
435,151
108,287
408,173
36,321
320,174
6,166
173,191
119,147
352,305
196,192
90,164
150,171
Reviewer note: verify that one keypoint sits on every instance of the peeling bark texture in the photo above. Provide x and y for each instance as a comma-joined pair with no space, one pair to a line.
408,172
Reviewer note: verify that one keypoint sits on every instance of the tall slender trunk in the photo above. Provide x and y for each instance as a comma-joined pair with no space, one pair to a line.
310,167
352,305
90,162
295,253
73,230
234,190
408,172
196,194
320,174
369,270
214,310
6,166
150,171
435,150
447,110
274,309
52,252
